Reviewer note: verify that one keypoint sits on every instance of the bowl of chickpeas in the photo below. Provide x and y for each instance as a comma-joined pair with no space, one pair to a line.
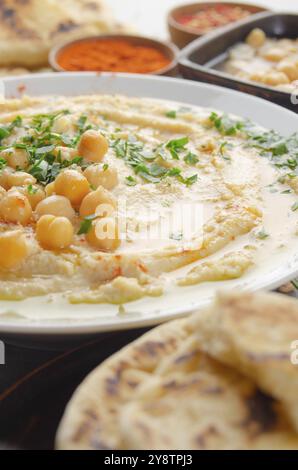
256,56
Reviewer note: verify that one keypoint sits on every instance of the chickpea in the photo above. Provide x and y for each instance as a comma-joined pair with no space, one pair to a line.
276,78
290,68
50,189
104,234
256,38
34,194
4,175
54,233
73,185
92,202
65,153
15,208
274,54
62,125
257,77
13,248
98,175
2,192
16,158
93,146
58,206
20,178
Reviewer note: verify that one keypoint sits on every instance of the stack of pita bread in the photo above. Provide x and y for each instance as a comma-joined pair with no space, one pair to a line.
30,28
220,379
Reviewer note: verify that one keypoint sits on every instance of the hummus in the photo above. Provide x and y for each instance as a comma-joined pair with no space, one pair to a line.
197,196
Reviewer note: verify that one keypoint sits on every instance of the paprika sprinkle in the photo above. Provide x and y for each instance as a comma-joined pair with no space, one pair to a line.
111,55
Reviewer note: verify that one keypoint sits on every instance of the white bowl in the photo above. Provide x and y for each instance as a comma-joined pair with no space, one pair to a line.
154,310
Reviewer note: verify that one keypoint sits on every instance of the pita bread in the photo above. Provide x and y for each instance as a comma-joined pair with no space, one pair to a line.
217,409
29,28
254,334
91,419
164,392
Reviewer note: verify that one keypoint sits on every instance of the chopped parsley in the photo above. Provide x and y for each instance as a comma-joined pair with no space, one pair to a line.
176,146
191,159
31,189
130,181
171,114
146,164
281,151
86,224
5,131
223,149
262,235
295,206
3,163
295,283
176,236
105,167
225,125
190,180
45,163
286,191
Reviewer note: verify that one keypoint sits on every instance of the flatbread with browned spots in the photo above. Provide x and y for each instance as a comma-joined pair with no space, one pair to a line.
214,408
255,334
164,392
91,419
29,28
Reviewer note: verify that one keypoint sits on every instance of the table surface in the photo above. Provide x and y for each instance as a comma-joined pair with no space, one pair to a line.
35,385
149,16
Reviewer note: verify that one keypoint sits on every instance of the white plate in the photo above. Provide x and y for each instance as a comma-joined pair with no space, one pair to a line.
279,268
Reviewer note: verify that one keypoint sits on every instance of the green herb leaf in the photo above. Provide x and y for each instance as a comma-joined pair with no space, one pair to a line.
3,163
31,189
82,124
130,181
4,132
191,159
174,172
176,146
176,236
225,125
171,114
262,235
86,225
222,150
191,180
295,206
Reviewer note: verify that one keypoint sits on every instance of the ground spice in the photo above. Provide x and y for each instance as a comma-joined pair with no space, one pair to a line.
212,17
111,55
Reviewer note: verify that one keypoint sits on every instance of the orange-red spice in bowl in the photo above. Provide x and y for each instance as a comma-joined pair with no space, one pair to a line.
115,53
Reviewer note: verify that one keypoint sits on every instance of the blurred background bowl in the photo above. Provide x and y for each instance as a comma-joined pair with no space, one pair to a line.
202,60
169,50
182,34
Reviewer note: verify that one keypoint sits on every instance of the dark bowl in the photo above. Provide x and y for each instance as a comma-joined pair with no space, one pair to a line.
198,59
182,35
168,49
